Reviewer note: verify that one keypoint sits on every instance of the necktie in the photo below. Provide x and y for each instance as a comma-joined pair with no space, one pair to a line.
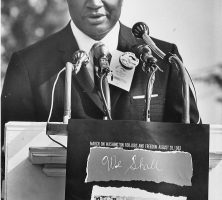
90,66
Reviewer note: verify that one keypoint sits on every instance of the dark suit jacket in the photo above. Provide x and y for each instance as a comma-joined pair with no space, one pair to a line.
31,73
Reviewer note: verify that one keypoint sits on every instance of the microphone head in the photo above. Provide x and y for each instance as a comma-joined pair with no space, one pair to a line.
101,58
80,57
144,53
139,29
141,49
99,50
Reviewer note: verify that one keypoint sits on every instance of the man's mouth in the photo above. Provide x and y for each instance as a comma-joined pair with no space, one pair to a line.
96,15
96,18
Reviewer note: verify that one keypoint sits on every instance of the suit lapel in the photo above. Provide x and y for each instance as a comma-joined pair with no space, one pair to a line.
89,87
68,46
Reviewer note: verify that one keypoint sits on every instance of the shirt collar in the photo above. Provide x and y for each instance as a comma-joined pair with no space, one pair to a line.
85,42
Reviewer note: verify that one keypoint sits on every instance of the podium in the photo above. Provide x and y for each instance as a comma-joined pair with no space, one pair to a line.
158,160
27,181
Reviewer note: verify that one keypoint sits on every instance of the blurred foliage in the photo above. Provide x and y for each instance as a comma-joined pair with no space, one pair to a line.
27,21
212,75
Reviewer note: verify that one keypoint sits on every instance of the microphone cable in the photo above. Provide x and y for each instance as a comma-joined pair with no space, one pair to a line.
52,103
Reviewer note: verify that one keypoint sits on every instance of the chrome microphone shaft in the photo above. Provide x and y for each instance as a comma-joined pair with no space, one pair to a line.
67,96
152,45
141,30
79,58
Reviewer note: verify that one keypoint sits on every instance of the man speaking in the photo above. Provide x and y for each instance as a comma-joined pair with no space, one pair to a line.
31,73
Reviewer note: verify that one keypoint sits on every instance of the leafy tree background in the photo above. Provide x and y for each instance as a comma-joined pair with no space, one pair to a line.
26,21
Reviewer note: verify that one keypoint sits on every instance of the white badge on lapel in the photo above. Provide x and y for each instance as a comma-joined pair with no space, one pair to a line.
123,67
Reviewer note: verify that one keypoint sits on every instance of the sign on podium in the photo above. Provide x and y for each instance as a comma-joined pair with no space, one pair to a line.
137,160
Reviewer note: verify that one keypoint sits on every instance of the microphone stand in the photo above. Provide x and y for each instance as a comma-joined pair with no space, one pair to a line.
104,86
79,58
185,86
67,96
150,66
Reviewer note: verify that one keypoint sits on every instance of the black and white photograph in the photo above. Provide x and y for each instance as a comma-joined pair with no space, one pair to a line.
111,99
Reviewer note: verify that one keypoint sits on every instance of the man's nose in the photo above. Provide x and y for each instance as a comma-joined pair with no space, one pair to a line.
94,4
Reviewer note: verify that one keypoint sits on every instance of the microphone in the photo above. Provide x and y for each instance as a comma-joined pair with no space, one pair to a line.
141,30
144,53
148,66
102,58
79,59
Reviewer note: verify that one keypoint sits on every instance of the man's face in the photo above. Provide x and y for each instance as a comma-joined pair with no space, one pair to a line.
95,17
